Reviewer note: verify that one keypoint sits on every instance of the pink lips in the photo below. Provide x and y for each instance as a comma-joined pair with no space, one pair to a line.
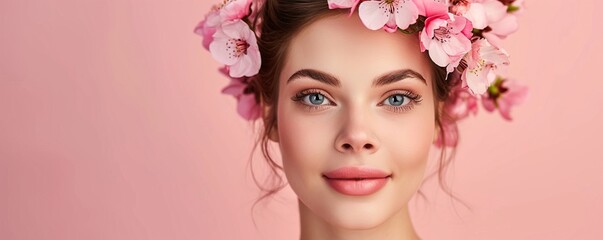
356,181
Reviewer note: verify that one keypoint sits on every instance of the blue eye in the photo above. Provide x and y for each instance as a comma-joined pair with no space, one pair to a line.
311,98
315,98
396,100
402,101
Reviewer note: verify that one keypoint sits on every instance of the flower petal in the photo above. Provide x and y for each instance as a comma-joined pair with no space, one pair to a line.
391,26
235,88
372,16
517,93
505,109
425,40
477,15
495,58
494,39
493,54
437,54
488,104
456,24
236,29
208,27
495,10
244,67
457,45
430,8
247,107
505,26
206,33
235,9
220,51
406,14
477,80
454,62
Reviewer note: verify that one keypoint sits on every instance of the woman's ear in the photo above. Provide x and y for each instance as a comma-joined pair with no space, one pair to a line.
273,132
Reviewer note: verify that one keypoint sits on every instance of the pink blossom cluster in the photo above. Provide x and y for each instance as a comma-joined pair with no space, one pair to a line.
460,35
230,40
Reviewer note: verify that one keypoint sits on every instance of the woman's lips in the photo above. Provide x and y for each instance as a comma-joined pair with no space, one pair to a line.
356,181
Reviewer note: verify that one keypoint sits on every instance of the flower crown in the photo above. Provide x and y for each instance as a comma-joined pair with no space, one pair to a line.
463,36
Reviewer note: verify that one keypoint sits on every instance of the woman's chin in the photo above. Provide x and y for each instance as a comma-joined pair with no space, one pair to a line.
355,214
369,221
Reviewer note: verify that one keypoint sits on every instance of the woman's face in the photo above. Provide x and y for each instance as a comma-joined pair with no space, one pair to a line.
350,96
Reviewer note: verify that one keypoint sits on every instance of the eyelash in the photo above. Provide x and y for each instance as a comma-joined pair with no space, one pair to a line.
414,98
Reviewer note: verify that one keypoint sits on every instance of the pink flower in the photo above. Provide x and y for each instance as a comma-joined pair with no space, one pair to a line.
451,135
333,4
461,103
227,11
207,27
484,12
247,107
447,38
430,8
388,14
234,9
484,62
503,95
492,16
236,46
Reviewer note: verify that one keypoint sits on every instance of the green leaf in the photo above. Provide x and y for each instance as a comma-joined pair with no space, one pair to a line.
512,8
478,32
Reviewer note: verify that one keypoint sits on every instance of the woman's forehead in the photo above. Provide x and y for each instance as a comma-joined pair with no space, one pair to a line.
344,47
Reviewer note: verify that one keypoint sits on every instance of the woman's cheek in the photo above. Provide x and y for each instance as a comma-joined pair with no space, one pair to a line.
407,138
304,143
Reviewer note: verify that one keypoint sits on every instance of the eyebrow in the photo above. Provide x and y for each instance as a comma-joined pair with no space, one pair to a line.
384,79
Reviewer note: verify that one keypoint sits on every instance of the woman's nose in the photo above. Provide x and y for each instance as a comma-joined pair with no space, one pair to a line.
356,136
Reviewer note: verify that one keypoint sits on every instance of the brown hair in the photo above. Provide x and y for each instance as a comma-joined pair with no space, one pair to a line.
281,20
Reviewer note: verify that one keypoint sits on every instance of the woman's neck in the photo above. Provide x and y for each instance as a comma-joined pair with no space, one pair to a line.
397,227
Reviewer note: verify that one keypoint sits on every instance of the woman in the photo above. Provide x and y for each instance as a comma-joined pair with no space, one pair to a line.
355,110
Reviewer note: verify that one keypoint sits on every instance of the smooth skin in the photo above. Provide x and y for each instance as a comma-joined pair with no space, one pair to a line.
347,119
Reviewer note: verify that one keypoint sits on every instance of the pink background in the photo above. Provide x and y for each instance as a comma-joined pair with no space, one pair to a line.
113,127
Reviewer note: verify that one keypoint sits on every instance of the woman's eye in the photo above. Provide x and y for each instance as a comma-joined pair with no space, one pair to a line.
397,100
312,100
402,102
315,99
